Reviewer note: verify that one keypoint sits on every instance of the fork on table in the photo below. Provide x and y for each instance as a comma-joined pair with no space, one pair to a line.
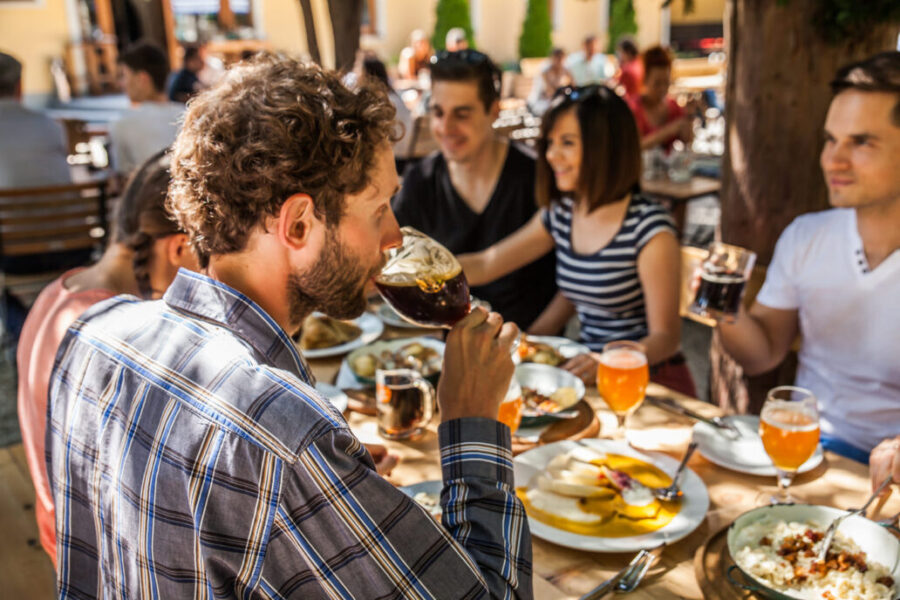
628,578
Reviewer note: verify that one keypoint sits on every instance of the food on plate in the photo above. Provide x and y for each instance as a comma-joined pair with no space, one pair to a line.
537,403
589,492
319,331
430,502
423,359
538,352
784,555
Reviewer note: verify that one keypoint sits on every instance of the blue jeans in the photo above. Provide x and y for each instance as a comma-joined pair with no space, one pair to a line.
838,446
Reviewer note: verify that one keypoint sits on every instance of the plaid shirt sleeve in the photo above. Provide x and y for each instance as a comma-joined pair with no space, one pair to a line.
340,526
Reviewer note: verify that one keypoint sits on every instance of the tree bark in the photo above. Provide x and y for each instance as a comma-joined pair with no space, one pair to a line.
346,20
312,40
776,99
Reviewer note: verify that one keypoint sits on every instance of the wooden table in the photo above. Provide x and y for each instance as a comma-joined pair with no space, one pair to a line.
676,195
567,573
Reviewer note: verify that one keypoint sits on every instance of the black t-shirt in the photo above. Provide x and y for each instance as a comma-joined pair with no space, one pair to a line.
428,201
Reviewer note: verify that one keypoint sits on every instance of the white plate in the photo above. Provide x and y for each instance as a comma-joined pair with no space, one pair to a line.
746,453
371,330
695,501
392,318
429,487
347,379
567,348
334,395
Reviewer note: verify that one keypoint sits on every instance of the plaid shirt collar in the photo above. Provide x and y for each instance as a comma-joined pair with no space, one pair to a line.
215,302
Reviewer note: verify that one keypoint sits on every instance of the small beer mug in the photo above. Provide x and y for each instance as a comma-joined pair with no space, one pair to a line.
404,401
724,274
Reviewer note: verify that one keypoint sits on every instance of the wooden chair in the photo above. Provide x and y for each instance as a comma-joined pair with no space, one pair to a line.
46,230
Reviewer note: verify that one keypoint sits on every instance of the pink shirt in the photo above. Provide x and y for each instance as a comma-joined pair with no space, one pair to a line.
51,315
673,111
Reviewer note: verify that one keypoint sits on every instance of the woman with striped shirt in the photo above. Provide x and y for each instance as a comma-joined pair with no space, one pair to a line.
617,255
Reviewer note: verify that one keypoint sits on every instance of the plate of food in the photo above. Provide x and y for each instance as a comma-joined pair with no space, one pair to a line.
427,494
321,336
422,354
334,394
594,495
547,350
776,550
549,393
744,454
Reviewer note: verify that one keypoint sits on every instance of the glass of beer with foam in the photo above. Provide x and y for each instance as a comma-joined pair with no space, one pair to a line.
622,378
424,282
789,428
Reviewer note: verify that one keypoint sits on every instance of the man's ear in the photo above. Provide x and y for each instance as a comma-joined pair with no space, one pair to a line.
495,110
296,220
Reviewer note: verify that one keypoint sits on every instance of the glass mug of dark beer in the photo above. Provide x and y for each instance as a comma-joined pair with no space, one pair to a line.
723,275
404,401
424,282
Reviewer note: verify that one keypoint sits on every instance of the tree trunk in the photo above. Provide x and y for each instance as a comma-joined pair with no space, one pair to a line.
309,23
346,19
777,96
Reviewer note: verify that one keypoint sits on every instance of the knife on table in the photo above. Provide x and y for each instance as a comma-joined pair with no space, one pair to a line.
672,406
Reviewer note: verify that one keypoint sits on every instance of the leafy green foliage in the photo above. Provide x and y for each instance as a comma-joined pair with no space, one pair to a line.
450,14
535,40
846,20
621,22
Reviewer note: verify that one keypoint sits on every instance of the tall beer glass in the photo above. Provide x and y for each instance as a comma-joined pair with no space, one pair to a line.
722,280
789,428
622,378
424,282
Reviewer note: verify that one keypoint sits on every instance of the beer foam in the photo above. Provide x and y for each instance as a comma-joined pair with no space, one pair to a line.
789,419
420,261
724,277
623,358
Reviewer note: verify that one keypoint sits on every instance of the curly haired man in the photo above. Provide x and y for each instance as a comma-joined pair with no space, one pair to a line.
189,453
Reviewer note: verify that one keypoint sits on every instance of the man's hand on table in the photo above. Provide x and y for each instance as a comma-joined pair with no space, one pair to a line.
478,366
885,462
584,367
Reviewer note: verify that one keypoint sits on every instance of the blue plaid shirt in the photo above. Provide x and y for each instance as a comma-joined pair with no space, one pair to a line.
190,457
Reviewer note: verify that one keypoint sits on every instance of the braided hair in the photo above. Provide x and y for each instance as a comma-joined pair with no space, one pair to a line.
141,216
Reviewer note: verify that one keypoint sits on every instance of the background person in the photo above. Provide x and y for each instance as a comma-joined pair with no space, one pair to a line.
186,81
372,69
415,57
553,76
617,256
478,188
660,120
631,68
587,65
152,123
220,434
146,250
456,40
835,274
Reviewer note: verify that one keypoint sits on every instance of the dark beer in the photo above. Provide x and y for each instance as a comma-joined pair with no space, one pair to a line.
719,293
403,410
437,301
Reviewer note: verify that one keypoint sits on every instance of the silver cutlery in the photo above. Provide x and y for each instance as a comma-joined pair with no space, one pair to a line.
832,529
718,422
674,491
628,578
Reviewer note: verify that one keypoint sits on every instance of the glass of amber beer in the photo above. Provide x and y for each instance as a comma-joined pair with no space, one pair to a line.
622,378
510,412
424,282
789,428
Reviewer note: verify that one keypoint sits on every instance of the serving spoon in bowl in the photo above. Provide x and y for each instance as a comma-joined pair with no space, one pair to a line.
832,529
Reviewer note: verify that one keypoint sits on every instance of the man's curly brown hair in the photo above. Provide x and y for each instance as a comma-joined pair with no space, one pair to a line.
270,129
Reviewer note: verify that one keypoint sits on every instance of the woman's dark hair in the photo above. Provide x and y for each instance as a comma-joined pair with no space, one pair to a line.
611,146
141,216
374,68
656,57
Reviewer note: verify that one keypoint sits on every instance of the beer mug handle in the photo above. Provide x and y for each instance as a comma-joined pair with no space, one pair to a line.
427,390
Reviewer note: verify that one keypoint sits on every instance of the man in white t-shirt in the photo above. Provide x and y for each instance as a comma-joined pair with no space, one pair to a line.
835,275
588,65
153,122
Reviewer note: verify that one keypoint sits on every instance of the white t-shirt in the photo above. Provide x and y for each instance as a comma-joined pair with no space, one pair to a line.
142,132
584,71
850,322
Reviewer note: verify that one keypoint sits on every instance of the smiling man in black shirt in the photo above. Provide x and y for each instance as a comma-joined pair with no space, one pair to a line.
479,188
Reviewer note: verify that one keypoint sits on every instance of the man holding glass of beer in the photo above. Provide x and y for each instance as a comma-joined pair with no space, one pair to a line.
189,453
835,275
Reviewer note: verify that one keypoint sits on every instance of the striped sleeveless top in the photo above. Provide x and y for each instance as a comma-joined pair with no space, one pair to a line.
604,286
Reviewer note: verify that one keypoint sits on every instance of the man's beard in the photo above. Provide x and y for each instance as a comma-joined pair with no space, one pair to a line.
335,285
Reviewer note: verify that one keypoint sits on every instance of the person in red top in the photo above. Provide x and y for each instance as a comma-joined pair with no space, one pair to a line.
659,118
631,69
146,251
